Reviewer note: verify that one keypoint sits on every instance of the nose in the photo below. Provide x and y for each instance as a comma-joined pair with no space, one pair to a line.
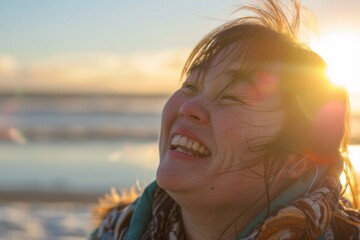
195,110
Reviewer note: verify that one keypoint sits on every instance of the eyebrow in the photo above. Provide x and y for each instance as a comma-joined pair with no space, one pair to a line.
237,76
234,77
196,66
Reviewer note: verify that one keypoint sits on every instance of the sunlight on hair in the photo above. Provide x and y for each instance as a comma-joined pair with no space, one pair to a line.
354,154
341,51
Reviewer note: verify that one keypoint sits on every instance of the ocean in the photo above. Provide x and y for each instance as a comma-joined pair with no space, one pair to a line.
59,153
78,143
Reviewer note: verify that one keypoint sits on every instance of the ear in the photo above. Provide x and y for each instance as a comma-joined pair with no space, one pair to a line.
295,166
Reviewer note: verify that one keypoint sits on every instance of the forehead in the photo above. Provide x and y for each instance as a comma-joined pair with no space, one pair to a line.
234,63
230,58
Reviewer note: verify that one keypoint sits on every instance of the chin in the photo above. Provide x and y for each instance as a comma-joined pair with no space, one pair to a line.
166,179
170,178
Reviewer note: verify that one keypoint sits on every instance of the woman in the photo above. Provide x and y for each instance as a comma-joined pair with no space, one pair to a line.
251,146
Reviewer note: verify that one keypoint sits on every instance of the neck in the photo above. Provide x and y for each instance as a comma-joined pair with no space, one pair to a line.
207,222
209,228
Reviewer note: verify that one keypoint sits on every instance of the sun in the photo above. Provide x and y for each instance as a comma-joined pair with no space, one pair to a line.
341,51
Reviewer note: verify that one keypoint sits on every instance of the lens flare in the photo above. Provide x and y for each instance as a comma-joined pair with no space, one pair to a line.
341,51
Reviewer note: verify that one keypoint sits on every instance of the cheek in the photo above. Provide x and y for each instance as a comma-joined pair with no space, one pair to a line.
169,111
229,126
169,115
240,135
229,133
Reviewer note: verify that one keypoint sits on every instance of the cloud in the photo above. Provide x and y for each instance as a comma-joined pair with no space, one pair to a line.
8,65
156,72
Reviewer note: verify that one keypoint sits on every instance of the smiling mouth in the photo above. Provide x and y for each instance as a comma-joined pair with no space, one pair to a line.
188,146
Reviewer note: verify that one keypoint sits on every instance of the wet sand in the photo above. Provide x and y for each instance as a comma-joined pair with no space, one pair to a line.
48,197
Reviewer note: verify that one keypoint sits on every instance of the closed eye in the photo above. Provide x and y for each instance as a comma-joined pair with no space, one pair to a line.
233,100
228,97
189,88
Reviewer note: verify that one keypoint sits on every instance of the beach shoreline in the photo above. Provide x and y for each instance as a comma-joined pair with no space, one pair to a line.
32,196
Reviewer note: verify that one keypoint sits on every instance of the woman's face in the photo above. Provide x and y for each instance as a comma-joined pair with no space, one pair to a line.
210,130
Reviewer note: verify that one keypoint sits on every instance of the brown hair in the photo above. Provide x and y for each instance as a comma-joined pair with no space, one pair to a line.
268,37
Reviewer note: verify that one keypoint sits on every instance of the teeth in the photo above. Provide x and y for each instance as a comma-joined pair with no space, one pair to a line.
175,140
202,149
189,146
183,141
179,149
196,146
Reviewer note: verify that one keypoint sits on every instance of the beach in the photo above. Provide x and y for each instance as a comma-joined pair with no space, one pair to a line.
47,198
42,220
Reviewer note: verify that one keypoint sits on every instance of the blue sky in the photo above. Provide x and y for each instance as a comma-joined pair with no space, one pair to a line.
39,37
37,28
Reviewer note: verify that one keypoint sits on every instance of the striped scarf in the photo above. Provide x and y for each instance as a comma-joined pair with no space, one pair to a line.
315,216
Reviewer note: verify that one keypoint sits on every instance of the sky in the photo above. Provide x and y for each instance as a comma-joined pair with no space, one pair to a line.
125,46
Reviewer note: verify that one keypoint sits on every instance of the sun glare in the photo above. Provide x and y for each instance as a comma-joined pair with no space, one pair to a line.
341,51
